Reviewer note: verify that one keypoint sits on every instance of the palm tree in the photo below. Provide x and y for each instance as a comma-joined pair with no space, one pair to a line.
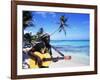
63,24
27,22
40,32
27,19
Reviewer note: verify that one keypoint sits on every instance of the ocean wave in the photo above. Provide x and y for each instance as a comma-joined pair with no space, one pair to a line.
74,49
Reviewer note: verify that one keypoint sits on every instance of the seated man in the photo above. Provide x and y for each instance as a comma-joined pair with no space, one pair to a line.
36,57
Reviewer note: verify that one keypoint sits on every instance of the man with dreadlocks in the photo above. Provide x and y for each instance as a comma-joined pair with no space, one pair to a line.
45,37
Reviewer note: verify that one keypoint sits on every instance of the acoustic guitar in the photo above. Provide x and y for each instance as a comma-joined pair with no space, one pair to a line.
57,58
45,60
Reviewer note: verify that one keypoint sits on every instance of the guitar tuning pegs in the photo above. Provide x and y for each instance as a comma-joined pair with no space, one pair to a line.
67,57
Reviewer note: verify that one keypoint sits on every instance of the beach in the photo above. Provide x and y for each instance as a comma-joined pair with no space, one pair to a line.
77,59
78,50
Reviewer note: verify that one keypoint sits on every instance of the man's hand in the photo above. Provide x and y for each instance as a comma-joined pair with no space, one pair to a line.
39,62
54,60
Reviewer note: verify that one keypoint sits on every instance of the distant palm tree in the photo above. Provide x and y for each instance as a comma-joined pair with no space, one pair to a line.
40,31
63,24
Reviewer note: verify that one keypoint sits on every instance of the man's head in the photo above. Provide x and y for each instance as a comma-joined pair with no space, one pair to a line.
39,46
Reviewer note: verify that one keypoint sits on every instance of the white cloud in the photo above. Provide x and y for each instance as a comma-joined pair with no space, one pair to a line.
53,14
43,14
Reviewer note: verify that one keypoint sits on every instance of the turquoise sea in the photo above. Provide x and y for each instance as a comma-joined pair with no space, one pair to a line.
73,46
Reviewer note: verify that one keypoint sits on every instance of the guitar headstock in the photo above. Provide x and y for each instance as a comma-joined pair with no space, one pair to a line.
67,57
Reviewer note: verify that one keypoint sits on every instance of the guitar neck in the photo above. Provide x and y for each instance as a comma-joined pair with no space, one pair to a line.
50,59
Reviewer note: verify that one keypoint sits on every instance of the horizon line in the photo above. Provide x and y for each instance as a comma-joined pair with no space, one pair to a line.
74,39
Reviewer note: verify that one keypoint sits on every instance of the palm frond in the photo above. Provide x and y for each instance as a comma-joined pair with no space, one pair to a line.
66,20
27,19
66,25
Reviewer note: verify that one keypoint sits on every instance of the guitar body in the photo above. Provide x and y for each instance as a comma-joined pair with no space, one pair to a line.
46,63
32,62
45,60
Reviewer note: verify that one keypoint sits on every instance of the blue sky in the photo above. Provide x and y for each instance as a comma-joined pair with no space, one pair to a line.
78,25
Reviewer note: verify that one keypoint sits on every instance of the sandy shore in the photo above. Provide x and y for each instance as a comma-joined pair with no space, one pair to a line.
77,60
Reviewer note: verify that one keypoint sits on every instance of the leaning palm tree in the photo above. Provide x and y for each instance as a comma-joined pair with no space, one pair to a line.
63,24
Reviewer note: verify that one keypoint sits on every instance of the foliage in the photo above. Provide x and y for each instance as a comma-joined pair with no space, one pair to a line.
27,19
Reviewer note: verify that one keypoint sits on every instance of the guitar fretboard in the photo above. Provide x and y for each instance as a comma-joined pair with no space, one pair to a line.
49,59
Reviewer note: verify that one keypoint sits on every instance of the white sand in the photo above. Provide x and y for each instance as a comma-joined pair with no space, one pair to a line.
77,60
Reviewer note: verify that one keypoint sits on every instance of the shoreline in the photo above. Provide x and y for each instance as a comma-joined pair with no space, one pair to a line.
77,60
